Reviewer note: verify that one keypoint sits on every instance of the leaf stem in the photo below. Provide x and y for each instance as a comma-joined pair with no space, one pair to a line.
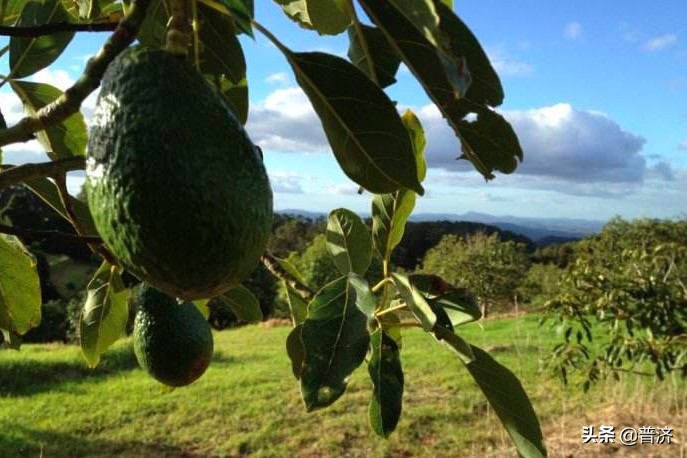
70,102
391,310
381,284
273,267
179,28
404,324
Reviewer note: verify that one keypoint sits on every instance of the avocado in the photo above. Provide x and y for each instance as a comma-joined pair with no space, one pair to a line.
172,341
178,192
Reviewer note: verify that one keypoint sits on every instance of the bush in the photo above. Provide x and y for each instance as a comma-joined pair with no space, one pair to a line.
540,285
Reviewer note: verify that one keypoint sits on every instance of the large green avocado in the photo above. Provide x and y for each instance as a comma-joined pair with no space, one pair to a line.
177,190
172,342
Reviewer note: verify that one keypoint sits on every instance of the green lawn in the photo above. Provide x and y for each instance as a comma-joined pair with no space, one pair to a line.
247,403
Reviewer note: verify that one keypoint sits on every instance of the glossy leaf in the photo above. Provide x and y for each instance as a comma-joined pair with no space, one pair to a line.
20,290
460,306
415,300
387,383
47,191
236,95
295,350
485,88
241,11
220,50
67,138
422,15
154,28
510,402
364,297
28,55
456,343
327,17
335,339
297,306
202,306
373,150
384,59
105,313
348,242
10,11
390,212
446,79
243,303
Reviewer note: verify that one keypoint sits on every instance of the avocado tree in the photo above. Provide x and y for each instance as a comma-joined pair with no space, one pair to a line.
189,66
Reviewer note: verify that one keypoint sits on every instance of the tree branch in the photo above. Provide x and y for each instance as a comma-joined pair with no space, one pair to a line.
32,235
273,266
11,175
70,102
56,27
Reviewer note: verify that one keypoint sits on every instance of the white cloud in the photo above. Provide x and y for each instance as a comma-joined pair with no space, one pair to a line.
58,78
286,183
344,189
660,42
506,65
286,122
280,78
566,149
572,30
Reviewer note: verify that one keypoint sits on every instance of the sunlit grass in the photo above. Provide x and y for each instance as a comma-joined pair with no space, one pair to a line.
249,403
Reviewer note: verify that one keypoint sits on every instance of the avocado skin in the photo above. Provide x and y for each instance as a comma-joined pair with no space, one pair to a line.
172,342
177,190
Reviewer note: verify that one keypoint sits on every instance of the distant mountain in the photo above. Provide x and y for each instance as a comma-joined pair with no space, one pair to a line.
543,231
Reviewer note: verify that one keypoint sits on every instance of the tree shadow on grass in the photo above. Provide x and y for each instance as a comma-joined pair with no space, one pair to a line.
28,377
28,442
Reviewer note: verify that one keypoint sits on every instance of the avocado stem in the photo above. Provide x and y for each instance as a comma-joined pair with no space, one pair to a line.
179,29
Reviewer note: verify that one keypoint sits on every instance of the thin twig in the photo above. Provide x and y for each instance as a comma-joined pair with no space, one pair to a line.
70,102
273,266
32,235
390,310
11,175
56,27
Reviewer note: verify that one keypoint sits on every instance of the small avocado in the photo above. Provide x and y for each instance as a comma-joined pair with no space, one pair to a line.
172,341
178,192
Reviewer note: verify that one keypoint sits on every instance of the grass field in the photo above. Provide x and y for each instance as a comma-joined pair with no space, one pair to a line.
247,403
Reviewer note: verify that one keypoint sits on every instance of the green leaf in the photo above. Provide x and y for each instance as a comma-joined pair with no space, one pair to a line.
327,17
202,306
460,306
236,95
455,342
415,300
510,402
153,31
335,339
242,13
291,269
373,150
364,299
220,50
348,242
390,212
444,75
243,304
10,11
28,55
20,290
422,15
67,138
485,88
295,350
297,305
47,191
387,383
384,59
105,313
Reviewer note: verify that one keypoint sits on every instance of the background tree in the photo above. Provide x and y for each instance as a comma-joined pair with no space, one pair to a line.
492,269
628,282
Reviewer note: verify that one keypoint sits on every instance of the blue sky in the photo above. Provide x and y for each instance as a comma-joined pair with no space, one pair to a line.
597,92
